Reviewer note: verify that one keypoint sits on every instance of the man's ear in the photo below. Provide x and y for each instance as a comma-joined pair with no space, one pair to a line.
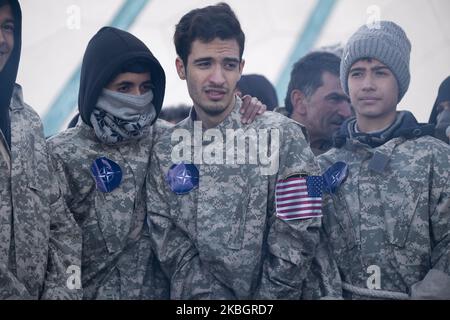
180,68
298,100
241,66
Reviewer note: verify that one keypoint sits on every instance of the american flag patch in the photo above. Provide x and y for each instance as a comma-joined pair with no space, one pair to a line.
299,198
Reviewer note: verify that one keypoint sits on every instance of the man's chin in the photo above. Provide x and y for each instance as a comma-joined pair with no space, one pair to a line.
214,109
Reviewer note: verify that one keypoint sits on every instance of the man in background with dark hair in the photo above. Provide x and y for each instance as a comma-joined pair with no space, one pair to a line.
40,243
260,87
316,100
239,231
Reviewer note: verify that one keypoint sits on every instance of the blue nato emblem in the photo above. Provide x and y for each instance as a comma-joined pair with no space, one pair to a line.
334,177
182,178
107,174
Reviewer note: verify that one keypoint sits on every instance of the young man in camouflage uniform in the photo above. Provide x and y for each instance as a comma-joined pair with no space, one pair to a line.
40,243
388,225
103,161
233,231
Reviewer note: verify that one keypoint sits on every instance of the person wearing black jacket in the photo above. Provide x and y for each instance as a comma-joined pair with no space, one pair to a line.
440,114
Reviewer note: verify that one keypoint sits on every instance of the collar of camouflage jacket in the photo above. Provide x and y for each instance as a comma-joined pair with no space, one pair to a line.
233,117
405,125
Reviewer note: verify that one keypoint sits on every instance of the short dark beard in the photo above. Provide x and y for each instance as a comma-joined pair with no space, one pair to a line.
213,112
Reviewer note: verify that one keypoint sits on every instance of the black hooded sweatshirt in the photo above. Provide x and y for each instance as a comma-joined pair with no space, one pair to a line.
104,58
9,73
443,95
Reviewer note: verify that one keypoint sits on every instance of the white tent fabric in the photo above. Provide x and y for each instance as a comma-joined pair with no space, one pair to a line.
53,46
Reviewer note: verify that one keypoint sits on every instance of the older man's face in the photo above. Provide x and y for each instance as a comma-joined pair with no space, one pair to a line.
327,108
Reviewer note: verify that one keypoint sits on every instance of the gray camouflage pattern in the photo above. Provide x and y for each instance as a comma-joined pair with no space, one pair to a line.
224,234
397,220
39,240
324,147
117,259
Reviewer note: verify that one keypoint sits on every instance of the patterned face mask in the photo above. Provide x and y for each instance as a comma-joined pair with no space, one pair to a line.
120,118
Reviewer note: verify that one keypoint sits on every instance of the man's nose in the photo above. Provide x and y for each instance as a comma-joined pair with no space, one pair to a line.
368,83
217,76
135,91
345,110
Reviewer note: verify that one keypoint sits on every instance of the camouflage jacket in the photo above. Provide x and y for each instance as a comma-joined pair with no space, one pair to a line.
322,148
116,246
388,225
40,243
228,222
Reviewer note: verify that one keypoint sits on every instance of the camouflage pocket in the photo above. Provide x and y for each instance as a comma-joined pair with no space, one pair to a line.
399,215
113,213
37,193
338,223
237,222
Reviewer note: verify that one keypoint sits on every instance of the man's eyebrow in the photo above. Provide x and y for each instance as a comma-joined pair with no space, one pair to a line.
336,95
123,82
357,69
377,68
148,82
205,59
209,59
231,60
9,20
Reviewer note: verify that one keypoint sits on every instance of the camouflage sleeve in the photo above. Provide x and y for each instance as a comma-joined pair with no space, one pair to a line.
59,173
440,217
63,275
178,256
323,280
291,244
436,283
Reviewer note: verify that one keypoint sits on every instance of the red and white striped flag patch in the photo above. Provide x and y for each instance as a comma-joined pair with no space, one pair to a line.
299,198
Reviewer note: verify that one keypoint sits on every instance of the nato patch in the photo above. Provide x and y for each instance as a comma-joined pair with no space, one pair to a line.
107,174
182,178
334,176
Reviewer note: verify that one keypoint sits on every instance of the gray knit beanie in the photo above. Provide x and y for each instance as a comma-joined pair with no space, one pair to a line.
387,43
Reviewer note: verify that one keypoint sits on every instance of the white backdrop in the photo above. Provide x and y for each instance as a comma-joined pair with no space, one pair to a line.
52,49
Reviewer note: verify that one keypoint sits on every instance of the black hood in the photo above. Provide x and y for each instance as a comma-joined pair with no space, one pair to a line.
9,73
405,125
105,54
443,95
